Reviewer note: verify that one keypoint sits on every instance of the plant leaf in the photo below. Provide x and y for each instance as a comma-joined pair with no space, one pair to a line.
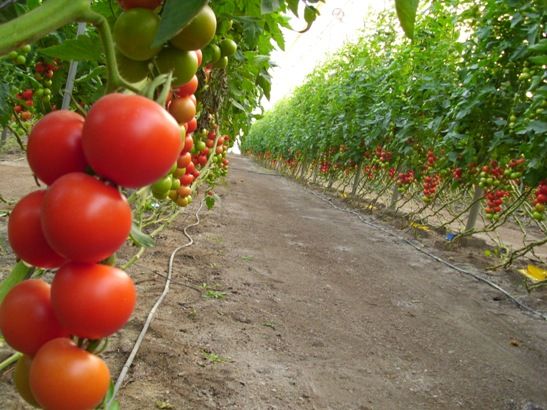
174,17
406,11
140,238
19,272
82,48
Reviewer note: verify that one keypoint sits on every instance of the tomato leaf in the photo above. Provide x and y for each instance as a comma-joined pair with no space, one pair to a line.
19,272
140,238
82,48
406,11
109,403
210,202
174,17
269,6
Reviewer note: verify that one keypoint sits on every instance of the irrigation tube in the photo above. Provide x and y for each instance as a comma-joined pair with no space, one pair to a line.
140,339
436,258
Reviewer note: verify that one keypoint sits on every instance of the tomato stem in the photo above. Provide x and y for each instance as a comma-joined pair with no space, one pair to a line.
10,360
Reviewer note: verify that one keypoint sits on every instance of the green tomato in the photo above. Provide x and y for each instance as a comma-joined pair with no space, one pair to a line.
134,32
47,91
39,92
212,53
183,64
21,59
228,47
198,33
200,145
222,63
48,83
26,48
162,186
13,55
537,216
176,184
132,70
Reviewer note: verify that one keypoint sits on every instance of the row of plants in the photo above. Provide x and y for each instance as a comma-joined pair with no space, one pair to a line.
443,128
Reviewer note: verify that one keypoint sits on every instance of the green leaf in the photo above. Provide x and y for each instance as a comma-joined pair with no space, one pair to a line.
82,48
174,17
406,11
539,60
5,108
269,6
293,6
109,403
19,272
140,238
210,202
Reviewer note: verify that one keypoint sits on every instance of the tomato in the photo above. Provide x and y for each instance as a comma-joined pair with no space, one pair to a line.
198,33
213,53
190,168
134,32
191,125
27,320
194,99
161,187
184,191
222,63
26,115
184,160
187,179
183,64
133,71
202,159
21,380
55,146
65,377
83,219
188,143
182,109
130,139
228,47
210,143
26,236
188,88
144,4
92,300
199,55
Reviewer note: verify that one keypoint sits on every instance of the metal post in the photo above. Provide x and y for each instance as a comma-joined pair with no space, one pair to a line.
474,211
67,96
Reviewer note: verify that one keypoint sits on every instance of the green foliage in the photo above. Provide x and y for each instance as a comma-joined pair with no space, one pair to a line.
406,11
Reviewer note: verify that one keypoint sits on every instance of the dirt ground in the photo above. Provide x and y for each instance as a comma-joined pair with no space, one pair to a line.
287,303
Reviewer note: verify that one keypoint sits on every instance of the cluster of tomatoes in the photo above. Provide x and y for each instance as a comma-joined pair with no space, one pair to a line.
382,156
430,187
19,57
74,226
405,179
494,202
457,174
324,167
24,104
540,193
431,159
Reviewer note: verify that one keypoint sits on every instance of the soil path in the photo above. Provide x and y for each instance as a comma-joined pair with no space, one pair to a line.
287,303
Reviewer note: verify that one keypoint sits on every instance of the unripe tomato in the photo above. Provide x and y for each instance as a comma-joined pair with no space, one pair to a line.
83,219
27,320
65,377
133,71
182,109
183,64
184,191
135,151
143,4
161,187
228,47
199,32
25,234
107,298
188,88
55,146
134,32
21,380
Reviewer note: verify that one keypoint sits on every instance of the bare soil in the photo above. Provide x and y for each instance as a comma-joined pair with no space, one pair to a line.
287,303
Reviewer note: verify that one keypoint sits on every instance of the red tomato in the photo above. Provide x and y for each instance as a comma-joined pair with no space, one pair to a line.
186,179
144,4
183,109
92,301
188,143
26,115
25,234
209,143
130,140
191,125
188,88
55,146
27,320
83,219
219,150
196,173
202,159
190,168
184,160
17,108
65,377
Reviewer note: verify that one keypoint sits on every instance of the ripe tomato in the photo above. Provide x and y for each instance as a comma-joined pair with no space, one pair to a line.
210,143
21,380
188,88
184,160
134,32
130,139
198,33
182,109
184,191
25,234
91,300
202,159
84,219
55,146
27,320
183,64
188,143
65,377
143,4
191,126
26,115
186,179
190,168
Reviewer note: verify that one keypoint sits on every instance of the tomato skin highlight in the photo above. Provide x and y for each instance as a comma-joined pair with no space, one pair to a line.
27,319
92,301
130,139
26,236
84,219
65,377
55,146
